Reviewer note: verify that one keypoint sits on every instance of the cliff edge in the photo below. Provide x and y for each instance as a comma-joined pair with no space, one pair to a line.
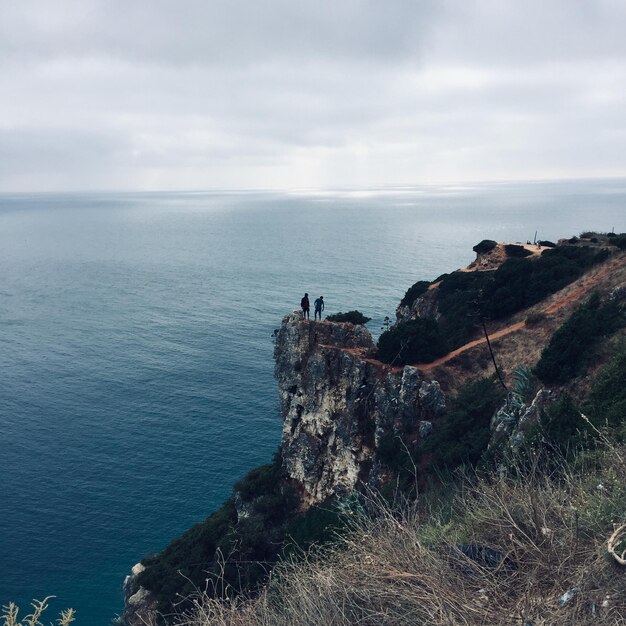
521,335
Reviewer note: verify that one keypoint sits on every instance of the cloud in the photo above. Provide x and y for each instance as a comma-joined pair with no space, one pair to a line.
276,93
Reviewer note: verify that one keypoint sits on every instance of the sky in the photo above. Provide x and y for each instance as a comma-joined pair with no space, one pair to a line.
287,94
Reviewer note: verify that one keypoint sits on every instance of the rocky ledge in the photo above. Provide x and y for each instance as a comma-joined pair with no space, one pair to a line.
337,402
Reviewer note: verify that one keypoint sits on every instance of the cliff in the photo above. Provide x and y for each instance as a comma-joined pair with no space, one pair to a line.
352,421
338,402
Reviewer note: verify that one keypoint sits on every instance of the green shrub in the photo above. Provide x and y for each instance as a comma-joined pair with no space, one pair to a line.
563,428
619,241
517,284
463,436
459,304
317,525
546,243
520,283
186,561
414,292
259,480
606,403
569,351
416,341
401,457
353,317
484,246
513,250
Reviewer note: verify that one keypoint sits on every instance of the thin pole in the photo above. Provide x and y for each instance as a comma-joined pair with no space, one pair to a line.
493,358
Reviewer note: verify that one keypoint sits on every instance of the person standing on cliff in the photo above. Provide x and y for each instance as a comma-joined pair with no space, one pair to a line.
319,307
304,303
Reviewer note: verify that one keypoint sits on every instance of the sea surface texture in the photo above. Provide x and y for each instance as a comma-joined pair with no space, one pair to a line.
136,347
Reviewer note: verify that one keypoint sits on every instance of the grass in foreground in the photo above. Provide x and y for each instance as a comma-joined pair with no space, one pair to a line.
536,537
10,614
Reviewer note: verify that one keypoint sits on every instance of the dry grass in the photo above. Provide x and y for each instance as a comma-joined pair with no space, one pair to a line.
401,568
11,617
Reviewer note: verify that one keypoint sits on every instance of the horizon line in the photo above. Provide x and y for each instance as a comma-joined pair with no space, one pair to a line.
324,190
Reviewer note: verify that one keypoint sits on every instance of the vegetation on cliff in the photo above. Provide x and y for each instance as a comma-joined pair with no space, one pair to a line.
466,298
524,546
239,544
416,341
353,317
571,348
414,292
533,500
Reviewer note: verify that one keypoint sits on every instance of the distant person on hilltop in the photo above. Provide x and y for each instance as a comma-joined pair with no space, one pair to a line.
319,307
304,304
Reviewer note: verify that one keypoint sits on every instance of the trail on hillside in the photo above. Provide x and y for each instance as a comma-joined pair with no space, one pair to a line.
587,283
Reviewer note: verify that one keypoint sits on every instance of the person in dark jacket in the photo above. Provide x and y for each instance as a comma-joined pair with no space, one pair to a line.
304,304
319,307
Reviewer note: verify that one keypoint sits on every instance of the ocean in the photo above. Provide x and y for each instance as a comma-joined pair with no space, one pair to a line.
136,372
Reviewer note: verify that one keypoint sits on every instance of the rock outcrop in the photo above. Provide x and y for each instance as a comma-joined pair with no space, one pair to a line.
515,419
426,305
337,403
140,605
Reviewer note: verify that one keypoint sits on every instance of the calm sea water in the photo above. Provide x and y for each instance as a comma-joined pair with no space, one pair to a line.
136,354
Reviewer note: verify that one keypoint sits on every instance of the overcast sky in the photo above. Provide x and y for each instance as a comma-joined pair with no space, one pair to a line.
191,94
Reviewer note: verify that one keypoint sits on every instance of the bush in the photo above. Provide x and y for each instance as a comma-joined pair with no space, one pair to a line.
619,241
400,565
416,341
517,284
486,245
464,435
513,250
607,401
536,318
459,304
259,480
401,456
569,351
317,525
414,292
353,317
563,427
520,283
547,244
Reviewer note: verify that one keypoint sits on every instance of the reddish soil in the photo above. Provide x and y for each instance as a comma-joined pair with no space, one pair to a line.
585,285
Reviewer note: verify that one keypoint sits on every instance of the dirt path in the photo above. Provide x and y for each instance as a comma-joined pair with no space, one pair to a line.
468,346
587,283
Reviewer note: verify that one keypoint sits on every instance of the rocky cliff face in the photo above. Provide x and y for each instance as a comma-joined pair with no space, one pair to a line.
140,605
346,415
337,403
426,305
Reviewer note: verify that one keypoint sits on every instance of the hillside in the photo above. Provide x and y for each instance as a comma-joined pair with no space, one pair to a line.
361,418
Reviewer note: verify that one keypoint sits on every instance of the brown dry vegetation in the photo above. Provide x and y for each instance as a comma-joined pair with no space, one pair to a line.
515,342
522,346
550,522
